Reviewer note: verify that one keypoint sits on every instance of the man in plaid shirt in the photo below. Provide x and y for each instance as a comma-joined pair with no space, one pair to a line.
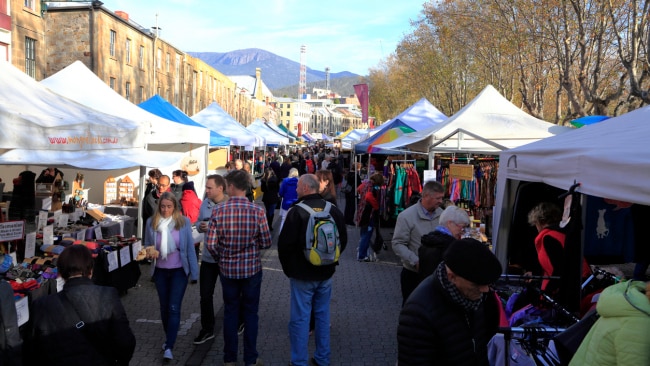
237,231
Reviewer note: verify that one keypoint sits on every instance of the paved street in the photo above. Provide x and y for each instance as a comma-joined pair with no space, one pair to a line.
365,307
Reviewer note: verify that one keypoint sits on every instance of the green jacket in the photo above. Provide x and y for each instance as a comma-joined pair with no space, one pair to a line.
621,336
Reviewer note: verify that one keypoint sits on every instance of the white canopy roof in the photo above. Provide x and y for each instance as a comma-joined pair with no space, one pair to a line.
38,126
489,123
263,129
216,119
78,83
609,159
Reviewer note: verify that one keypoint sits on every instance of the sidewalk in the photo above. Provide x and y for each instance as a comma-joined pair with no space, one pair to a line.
365,306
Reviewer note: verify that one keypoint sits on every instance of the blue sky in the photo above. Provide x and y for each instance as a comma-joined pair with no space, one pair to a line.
352,35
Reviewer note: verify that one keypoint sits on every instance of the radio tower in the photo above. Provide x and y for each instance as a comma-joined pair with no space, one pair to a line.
302,85
327,79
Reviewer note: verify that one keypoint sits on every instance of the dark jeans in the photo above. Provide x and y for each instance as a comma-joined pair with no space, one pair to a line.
245,294
409,280
270,212
208,274
171,285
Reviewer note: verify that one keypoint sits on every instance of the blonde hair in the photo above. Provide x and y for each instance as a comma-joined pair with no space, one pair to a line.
177,216
293,172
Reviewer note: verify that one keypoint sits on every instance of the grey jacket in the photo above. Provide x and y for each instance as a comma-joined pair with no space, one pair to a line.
411,224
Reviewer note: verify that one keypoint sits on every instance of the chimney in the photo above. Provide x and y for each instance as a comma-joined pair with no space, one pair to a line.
258,74
122,14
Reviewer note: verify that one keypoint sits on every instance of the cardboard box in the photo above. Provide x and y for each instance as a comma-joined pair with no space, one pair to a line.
96,214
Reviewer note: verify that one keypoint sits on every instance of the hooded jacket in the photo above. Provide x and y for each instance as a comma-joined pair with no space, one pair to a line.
289,192
621,336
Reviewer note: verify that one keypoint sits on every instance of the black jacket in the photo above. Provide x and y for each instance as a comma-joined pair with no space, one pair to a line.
293,237
430,252
270,188
54,339
433,330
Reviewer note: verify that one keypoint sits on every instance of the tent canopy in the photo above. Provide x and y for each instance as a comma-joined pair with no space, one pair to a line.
487,124
419,116
160,107
39,127
80,84
609,159
286,130
215,118
273,137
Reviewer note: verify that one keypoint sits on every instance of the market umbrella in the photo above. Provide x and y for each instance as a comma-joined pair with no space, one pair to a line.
588,120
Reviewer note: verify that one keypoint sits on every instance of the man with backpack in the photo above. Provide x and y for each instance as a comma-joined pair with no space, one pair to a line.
309,260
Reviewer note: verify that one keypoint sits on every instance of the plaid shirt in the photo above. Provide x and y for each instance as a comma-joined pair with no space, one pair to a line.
237,231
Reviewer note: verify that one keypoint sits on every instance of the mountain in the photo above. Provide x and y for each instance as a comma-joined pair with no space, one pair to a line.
277,72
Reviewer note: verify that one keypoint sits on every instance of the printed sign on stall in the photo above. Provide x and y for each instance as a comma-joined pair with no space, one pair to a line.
12,230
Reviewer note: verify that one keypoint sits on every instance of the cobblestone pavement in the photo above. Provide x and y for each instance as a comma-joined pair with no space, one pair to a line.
365,307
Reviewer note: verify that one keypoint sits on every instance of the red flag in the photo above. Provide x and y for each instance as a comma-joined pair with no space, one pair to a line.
361,90
299,129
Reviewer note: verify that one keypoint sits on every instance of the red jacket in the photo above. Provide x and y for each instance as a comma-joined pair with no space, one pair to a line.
191,205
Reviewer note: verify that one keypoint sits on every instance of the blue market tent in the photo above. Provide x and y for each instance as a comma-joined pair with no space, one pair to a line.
162,108
422,114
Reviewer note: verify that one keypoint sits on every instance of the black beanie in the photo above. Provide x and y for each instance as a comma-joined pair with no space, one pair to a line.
472,260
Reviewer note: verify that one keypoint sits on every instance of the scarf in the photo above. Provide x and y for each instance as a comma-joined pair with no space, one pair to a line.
452,290
167,243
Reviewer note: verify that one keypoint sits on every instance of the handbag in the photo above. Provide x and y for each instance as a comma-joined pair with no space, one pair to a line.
347,188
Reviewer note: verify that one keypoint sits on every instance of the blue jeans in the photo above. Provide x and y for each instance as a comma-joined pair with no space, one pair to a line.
246,291
208,274
365,233
171,285
306,295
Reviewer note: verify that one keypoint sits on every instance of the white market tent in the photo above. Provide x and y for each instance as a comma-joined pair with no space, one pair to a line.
80,84
419,116
215,118
487,124
263,129
609,159
167,142
39,127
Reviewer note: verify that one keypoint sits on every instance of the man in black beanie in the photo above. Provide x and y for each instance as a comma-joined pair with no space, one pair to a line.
452,315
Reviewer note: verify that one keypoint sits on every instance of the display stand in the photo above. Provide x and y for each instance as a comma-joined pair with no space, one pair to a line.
126,190
110,190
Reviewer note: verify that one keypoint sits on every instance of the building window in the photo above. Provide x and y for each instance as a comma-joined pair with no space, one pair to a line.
30,57
141,57
167,62
128,90
30,4
128,51
288,113
112,45
111,83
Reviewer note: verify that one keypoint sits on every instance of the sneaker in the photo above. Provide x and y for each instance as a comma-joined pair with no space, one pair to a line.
168,354
313,362
203,337
258,362
366,259
240,331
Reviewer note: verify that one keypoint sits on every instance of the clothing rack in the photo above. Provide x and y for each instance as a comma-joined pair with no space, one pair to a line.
534,333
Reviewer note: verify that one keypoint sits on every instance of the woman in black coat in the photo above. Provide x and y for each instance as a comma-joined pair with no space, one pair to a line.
270,186
105,338
352,179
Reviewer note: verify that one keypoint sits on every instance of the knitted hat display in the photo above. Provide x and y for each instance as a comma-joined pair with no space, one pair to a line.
472,260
